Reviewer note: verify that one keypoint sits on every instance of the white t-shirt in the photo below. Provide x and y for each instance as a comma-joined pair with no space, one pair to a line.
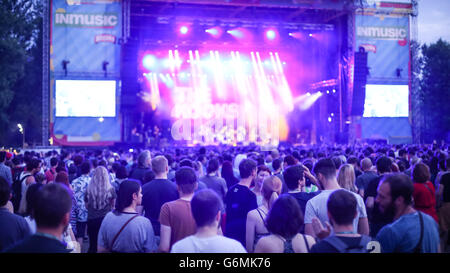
317,207
215,244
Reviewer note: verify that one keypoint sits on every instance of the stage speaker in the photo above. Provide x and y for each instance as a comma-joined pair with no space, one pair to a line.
359,82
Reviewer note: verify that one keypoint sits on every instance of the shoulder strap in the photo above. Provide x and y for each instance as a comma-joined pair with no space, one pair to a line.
418,248
24,177
432,193
306,242
288,246
120,231
262,218
337,243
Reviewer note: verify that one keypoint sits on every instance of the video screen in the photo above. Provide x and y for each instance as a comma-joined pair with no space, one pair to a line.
386,101
85,98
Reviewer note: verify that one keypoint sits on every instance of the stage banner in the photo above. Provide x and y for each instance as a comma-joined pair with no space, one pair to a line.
314,4
86,33
383,31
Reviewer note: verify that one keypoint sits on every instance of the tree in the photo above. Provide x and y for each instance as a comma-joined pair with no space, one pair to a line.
20,68
435,91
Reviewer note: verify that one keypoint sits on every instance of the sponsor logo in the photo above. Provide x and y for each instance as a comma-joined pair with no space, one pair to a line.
384,33
105,38
86,20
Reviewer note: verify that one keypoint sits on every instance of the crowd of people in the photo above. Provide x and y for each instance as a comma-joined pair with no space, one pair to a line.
225,199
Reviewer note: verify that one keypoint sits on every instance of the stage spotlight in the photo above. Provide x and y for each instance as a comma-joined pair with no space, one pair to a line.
184,30
309,94
310,35
215,32
328,91
329,119
149,61
270,34
334,90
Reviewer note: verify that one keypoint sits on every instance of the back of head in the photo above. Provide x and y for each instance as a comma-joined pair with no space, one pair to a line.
186,179
275,154
400,186
33,164
5,191
326,167
421,173
31,194
384,165
85,167
271,189
144,158
290,160
337,162
285,218
125,194
52,203
246,167
205,205
54,161
346,177
342,206
276,164
62,178
160,164
227,169
292,175
213,165
186,163
366,164
121,172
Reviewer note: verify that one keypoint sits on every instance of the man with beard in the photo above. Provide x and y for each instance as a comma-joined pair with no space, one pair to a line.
377,220
411,231
52,209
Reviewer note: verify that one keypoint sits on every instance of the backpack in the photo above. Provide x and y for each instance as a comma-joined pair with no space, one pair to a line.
344,248
17,190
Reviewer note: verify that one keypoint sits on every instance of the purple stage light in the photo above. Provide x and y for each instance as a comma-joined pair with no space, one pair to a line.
215,32
184,30
148,61
270,34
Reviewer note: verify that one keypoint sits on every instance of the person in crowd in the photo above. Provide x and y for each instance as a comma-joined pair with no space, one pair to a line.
424,193
99,199
31,194
277,171
239,201
143,168
26,179
176,217
411,231
13,228
294,177
79,186
121,175
206,209
443,204
5,171
355,163
316,208
52,215
342,211
346,178
228,174
283,222
40,178
262,172
377,219
368,175
157,192
256,219
124,230
212,180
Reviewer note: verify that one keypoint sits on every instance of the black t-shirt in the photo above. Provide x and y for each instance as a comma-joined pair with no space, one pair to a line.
376,218
239,201
302,198
13,228
39,244
154,195
445,180
325,247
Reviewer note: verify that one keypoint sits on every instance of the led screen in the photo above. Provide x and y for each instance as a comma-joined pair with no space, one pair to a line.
386,101
83,98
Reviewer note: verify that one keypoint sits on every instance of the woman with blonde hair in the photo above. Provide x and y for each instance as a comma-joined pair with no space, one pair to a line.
255,226
346,178
99,198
